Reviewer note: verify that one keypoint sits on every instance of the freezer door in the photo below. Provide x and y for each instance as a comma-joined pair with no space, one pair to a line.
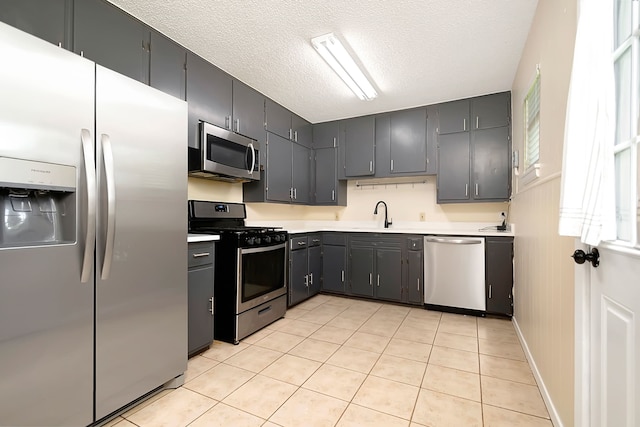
141,244
46,312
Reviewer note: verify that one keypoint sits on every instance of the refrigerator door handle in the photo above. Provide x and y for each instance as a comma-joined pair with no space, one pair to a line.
90,177
107,155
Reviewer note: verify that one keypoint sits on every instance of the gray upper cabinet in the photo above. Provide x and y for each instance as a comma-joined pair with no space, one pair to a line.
328,190
408,142
167,71
453,167
43,19
278,119
359,143
110,37
301,178
432,140
278,170
491,157
326,135
302,131
209,94
383,145
248,112
453,116
491,111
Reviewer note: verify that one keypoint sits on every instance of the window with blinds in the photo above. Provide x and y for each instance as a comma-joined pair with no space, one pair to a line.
532,125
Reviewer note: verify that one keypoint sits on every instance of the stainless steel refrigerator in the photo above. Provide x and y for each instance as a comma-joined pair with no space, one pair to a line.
93,190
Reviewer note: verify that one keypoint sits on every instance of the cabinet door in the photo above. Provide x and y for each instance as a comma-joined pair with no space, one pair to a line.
248,112
302,131
301,176
415,280
499,271
361,271
453,116
491,111
278,169
383,146
326,179
200,317
277,119
298,276
110,37
453,167
209,94
167,70
491,164
326,135
409,141
388,280
432,140
315,269
43,19
333,268
359,145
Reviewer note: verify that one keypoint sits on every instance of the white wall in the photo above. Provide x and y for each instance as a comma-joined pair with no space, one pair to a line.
543,295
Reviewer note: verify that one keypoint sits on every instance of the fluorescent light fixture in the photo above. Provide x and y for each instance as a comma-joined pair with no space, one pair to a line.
330,48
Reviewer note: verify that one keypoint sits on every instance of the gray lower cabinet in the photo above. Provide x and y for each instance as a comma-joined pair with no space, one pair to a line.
209,94
375,267
200,296
359,146
334,262
305,267
44,19
499,275
167,71
111,38
415,270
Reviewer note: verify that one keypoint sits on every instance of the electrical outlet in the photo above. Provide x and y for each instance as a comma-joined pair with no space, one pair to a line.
422,216
337,216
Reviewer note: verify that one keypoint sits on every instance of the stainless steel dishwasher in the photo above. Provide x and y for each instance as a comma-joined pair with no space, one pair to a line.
454,272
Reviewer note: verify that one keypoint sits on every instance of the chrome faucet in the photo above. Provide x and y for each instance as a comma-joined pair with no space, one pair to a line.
387,223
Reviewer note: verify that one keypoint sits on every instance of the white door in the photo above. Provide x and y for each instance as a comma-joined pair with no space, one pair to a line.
613,345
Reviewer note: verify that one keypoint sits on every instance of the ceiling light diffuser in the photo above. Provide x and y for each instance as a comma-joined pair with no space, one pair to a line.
330,48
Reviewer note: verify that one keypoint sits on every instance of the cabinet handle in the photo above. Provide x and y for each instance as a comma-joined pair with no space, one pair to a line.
315,240
476,188
306,280
378,280
211,309
200,255
370,279
489,291
227,122
370,165
477,122
333,195
466,190
391,164
295,136
291,193
464,124
237,125
335,141
295,194
311,279
418,285
301,243
342,276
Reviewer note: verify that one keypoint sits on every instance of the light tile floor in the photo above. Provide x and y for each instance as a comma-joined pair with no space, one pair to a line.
336,361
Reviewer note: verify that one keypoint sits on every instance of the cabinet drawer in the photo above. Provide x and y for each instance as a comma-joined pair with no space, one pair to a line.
314,240
338,239
414,243
200,254
298,242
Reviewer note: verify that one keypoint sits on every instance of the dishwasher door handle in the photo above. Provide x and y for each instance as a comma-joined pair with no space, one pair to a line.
454,241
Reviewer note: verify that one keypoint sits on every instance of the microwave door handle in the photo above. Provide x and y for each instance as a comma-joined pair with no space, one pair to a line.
107,155
253,158
90,177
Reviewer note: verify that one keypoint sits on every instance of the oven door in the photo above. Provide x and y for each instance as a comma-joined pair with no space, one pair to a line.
261,275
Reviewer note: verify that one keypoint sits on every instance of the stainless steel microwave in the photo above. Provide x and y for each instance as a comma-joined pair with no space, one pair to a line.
224,155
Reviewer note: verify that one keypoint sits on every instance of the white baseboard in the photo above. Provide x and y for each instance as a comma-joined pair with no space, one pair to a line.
553,413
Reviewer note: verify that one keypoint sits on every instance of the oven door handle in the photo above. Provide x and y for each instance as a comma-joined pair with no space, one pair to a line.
262,249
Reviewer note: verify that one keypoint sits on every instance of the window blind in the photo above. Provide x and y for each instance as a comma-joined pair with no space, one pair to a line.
532,124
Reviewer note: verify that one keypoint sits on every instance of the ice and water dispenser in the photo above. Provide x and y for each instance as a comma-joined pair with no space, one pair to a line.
37,203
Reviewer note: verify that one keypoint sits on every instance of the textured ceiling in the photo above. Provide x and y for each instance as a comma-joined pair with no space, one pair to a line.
416,52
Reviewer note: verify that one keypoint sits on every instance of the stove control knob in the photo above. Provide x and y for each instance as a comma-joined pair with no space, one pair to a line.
250,240
267,239
258,240
276,237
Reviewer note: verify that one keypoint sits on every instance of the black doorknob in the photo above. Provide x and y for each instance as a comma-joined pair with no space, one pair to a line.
579,256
